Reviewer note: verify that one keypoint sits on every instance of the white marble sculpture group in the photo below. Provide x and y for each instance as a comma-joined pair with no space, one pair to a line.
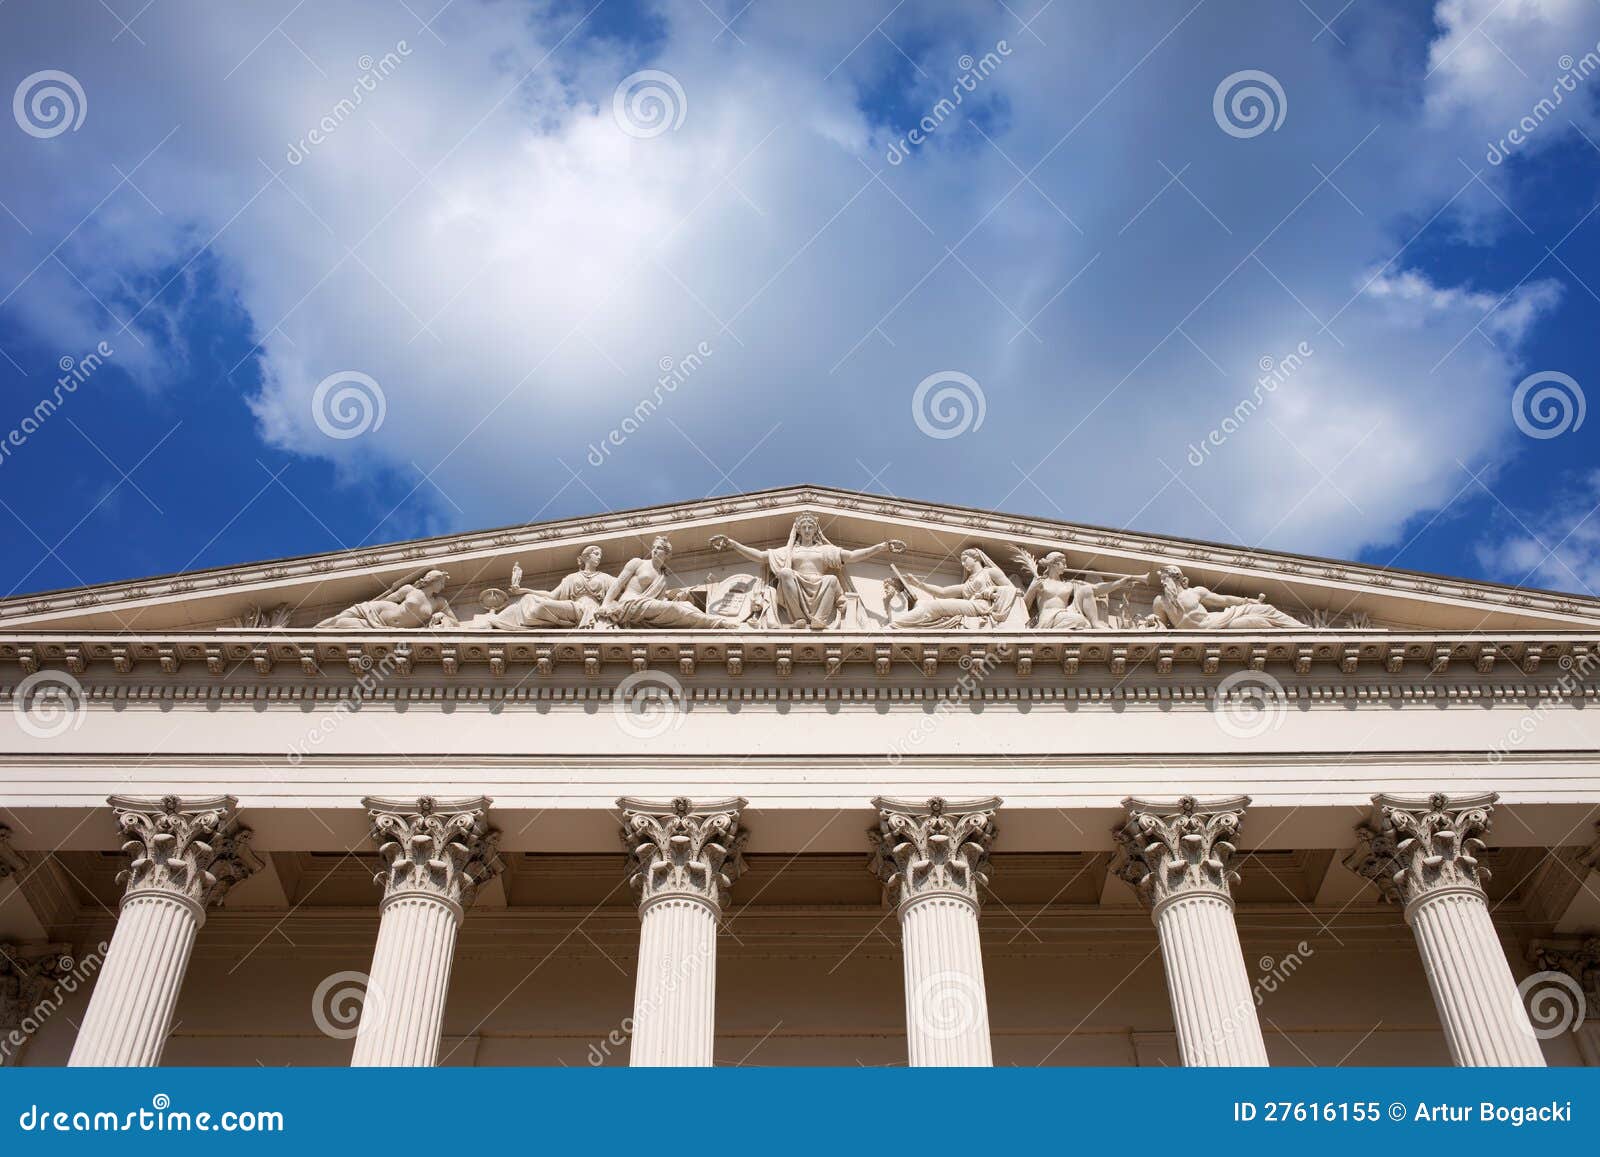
805,584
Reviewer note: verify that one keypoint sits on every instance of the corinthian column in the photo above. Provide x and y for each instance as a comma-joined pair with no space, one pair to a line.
932,858
682,859
436,854
1424,854
184,856
1177,857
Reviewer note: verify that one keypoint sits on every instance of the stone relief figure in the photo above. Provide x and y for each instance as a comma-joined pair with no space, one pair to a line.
985,596
573,603
1061,603
1190,608
640,597
806,574
411,603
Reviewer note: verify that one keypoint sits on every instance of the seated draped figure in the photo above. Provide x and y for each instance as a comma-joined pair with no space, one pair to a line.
1194,608
573,602
408,604
806,575
1061,603
641,597
984,597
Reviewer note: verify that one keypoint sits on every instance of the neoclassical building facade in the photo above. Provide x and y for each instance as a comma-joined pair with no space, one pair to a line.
799,777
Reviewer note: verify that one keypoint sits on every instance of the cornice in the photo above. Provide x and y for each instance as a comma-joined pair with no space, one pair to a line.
796,664
979,524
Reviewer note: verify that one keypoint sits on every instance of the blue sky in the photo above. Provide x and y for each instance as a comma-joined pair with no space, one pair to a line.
457,214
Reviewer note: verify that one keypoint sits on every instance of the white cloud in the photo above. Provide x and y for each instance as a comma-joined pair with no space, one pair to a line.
482,239
1559,549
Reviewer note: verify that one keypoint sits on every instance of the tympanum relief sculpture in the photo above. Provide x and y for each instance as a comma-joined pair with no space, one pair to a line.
805,584
573,603
984,599
408,604
806,575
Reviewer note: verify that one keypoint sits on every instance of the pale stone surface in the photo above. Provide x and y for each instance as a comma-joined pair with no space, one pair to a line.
1424,853
932,859
682,859
183,856
437,853
1178,858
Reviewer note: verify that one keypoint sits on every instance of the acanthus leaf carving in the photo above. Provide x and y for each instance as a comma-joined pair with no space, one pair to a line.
444,849
683,849
193,849
1171,851
1418,849
934,848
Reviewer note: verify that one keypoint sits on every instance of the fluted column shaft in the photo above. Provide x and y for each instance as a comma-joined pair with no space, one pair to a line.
437,854
130,1013
682,859
1177,857
932,858
184,856
1425,855
675,995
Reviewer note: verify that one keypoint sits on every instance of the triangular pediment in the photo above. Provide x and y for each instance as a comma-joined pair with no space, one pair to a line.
297,593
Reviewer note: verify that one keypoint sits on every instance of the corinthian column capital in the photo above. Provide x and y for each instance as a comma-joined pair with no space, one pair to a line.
1170,851
437,849
191,850
933,848
1414,848
683,849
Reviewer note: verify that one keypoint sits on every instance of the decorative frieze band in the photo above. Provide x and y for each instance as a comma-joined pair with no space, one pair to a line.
191,849
441,849
1420,848
683,849
933,848
1175,850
